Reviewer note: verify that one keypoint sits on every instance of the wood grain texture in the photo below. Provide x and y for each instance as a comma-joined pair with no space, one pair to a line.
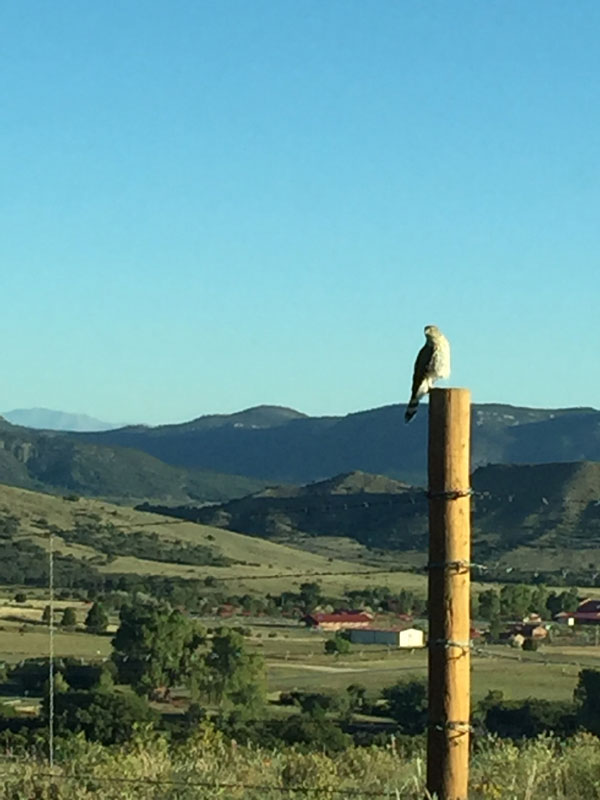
449,612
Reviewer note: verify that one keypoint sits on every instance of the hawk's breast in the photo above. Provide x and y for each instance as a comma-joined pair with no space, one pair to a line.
440,365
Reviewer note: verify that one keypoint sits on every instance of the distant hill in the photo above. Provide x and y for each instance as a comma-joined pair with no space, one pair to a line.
55,462
95,537
46,419
546,515
282,445
349,483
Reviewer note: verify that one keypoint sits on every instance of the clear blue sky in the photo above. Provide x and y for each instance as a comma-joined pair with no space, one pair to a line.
211,205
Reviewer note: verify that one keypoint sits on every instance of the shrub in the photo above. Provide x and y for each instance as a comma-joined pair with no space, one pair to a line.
311,733
69,618
102,716
97,619
407,704
529,718
337,645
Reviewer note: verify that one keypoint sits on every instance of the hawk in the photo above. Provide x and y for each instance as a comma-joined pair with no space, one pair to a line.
433,363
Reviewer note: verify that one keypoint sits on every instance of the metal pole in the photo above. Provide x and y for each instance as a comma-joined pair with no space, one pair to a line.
51,652
448,597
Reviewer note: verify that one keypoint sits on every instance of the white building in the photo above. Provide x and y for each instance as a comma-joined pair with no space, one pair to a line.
407,637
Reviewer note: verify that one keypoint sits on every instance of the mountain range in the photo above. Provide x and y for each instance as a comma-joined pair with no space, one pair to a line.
266,471
219,457
49,420
59,463
276,444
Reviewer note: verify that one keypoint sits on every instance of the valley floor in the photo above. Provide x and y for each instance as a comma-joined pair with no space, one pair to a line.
295,659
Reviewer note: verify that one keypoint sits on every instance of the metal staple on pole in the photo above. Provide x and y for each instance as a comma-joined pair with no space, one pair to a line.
461,564
450,494
462,727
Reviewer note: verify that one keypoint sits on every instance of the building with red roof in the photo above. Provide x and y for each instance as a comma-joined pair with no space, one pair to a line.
588,613
339,620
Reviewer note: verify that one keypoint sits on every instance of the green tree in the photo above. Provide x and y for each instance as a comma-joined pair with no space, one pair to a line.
565,601
102,716
515,599
86,677
59,683
97,619
316,704
407,704
232,677
488,604
569,599
155,646
20,597
30,675
406,601
310,596
587,699
553,603
357,696
46,616
539,597
69,618
494,630
337,645
516,719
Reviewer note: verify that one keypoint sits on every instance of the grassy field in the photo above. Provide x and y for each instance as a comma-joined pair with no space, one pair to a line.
298,662
34,643
23,635
295,657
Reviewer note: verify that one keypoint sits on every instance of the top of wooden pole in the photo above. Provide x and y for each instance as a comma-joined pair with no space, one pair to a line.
449,439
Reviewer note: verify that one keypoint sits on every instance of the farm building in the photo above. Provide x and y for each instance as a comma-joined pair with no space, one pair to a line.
588,613
338,621
531,630
405,637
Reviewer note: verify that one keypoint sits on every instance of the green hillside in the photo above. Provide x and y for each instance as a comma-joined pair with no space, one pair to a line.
94,537
545,517
55,462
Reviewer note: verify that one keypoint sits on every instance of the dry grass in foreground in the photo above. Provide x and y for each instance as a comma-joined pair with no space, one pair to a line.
209,766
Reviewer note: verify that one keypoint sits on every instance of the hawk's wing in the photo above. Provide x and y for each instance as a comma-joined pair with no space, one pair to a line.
421,366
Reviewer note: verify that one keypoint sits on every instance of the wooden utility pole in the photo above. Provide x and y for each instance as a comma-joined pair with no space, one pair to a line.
449,593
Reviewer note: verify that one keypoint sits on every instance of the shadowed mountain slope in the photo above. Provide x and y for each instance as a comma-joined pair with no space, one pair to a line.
549,508
282,445
55,462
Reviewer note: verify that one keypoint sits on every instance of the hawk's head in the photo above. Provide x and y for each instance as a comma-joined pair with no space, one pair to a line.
431,331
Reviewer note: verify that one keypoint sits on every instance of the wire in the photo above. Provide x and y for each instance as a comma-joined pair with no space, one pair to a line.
408,498
355,573
214,785
526,659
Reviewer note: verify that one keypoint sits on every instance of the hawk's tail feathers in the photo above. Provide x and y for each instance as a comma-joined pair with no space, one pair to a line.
411,409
